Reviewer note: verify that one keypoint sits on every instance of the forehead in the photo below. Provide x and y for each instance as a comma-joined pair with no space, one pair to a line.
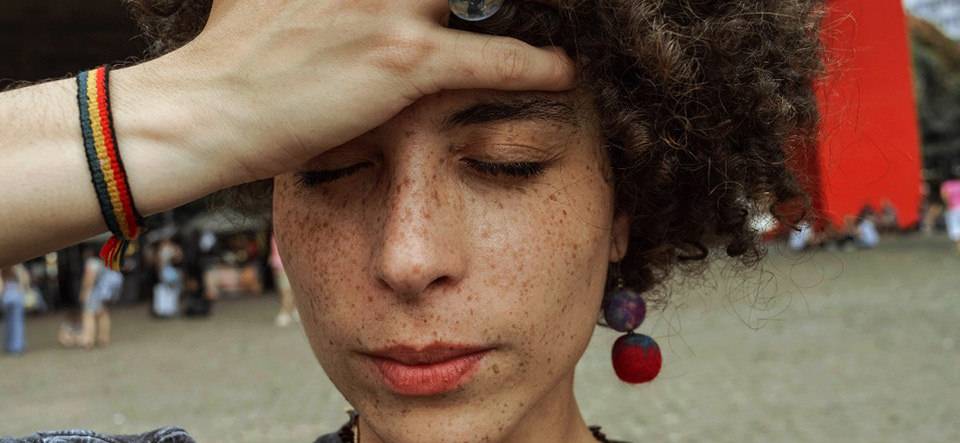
451,110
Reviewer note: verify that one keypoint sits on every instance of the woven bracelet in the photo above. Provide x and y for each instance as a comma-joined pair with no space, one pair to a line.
106,167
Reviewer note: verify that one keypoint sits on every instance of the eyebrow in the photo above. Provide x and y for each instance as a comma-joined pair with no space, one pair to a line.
529,107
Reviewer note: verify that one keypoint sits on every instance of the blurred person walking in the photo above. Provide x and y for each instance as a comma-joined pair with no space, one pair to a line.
950,192
866,234
801,237
931,208
288,310
888,218
100,285
166,293
12,288
194,273
70,333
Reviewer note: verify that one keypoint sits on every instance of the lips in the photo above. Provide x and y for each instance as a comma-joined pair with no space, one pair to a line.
432,370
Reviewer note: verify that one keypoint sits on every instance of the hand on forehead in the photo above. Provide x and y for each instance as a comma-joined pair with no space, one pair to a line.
335,69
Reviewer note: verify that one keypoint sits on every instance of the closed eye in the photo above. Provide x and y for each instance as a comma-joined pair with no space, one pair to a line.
522,170
308,179
509,169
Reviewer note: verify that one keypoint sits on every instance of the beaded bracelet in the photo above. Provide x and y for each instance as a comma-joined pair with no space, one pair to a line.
106,167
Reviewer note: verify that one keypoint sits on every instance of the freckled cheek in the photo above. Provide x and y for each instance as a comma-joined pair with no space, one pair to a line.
322,258
549,277
558,258
569,230
549,259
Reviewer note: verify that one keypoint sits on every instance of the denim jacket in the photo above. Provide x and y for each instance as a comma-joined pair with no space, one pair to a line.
168,434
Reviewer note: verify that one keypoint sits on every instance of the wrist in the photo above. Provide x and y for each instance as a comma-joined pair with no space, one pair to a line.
167,134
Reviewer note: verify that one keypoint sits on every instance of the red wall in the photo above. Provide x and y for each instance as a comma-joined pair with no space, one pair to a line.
870,142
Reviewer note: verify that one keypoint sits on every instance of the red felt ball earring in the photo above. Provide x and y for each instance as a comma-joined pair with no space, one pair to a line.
636,357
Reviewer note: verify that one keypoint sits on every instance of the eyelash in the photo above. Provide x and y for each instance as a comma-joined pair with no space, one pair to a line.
520,170
310,179
511,169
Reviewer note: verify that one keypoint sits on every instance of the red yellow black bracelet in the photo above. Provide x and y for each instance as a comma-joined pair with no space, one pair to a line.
106,167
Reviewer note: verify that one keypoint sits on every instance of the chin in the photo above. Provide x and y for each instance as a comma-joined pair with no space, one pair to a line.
481,422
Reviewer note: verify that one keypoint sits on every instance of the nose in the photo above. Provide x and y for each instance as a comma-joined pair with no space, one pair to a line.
419,244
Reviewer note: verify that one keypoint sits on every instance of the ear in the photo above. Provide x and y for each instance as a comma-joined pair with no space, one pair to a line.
619,237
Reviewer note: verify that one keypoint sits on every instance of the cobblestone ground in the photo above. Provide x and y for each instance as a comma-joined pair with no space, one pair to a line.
851,346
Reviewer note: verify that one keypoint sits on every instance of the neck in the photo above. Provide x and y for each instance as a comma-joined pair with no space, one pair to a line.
556,417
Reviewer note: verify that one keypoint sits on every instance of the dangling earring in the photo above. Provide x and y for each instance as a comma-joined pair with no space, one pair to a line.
636,357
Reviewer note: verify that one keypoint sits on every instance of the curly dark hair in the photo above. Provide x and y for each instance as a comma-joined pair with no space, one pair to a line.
703,106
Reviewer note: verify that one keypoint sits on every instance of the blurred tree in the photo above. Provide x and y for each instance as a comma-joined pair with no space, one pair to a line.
936,60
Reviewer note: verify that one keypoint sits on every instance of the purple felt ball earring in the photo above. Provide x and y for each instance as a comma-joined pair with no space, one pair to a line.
636,357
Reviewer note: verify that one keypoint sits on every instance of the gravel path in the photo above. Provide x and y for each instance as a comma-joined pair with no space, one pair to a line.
860,346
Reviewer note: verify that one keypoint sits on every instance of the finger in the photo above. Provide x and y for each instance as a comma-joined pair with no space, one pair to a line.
435,9
473,61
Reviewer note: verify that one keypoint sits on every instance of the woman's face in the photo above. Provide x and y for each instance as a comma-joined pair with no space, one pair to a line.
449,265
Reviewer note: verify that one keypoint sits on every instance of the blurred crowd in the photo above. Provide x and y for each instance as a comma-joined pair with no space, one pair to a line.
179,274
939,212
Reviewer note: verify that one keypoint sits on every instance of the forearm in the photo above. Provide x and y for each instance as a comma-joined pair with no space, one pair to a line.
48,199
